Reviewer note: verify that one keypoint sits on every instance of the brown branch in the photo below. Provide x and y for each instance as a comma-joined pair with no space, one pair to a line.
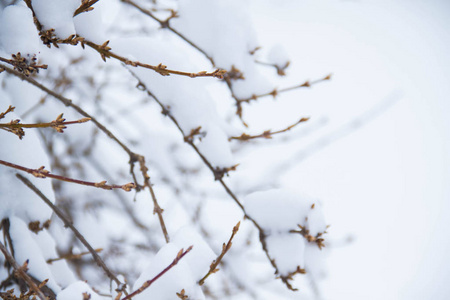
274,93
266,134
165,24
225,247
79,236
20,271
72,256
42,173
134,157
146,284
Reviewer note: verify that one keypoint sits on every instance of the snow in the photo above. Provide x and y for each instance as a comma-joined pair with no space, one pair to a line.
22,201
189,103
315,262
60,269
23,242
288,250
90,25
17,31
278,56
316,220
278,210
76,291
58,15
200,257
226,33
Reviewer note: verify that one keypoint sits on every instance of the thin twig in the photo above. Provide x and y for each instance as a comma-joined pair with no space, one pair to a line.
225,247
42,173
280,69
71,256
266,134
7,111
156,208
79,236
146,284
134,157
276,92
106,52
21,272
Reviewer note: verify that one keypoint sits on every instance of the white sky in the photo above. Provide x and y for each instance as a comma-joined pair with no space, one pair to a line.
386,184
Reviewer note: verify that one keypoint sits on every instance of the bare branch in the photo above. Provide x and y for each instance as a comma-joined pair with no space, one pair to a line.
42,173
268,133
71,256
225,247
59,125
274,93
146,284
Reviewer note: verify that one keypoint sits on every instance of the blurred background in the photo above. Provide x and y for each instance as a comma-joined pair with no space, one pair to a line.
378,158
